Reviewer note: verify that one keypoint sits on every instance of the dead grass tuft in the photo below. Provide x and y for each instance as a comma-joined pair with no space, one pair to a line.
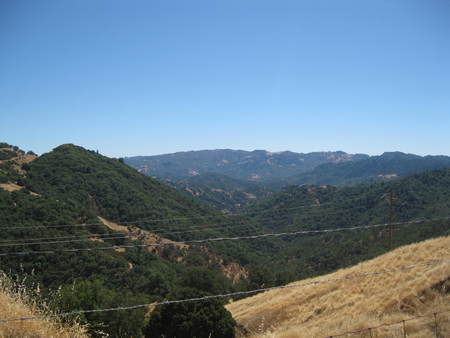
15,302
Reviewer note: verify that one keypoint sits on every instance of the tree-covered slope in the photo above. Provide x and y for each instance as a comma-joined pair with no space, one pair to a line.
55,209
107,186
258,165
385,167
60,194
221,191
307,207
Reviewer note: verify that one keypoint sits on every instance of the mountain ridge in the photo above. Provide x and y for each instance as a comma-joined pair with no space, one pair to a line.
74,186
257,165
385,167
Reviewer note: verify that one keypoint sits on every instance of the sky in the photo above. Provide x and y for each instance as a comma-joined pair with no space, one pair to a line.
158,76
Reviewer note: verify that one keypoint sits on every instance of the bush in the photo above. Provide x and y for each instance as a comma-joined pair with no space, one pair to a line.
89,295
6,155
191,319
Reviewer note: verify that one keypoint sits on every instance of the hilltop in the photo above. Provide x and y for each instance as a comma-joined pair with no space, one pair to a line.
74,198
257,165
321,310
386,167
70,198
232,180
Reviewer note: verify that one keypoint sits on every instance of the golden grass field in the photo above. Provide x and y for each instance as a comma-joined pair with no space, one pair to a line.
331,308
320,310
16,303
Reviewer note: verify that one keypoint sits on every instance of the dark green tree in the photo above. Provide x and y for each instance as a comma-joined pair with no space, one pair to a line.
191,319
93,295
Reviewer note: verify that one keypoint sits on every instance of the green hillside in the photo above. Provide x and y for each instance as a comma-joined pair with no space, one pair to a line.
386,167
71,186
257,165
421,196
220,191
61,194
107,186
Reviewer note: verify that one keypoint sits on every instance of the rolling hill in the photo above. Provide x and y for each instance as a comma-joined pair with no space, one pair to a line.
220,191
258,165
73,198
230,180
386,167
334,307
55,207
424,196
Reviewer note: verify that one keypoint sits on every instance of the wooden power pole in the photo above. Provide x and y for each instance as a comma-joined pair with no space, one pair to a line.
391,219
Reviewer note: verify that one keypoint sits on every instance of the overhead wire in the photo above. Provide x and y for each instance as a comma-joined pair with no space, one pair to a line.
151,220
128,235
165,230
59,242
215,239
315,207
231,294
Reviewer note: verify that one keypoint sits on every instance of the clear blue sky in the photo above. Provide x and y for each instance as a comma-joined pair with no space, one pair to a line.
146,77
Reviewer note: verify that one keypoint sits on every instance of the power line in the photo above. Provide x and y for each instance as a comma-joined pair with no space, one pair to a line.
149,220
156,231
160,231
195,241
147,229
58,242
238,293
128,235
56,237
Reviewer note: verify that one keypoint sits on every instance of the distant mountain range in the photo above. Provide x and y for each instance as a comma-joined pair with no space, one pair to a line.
97,219
386,167
232,179
258,165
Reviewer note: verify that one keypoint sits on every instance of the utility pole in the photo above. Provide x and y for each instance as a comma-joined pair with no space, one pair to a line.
391,219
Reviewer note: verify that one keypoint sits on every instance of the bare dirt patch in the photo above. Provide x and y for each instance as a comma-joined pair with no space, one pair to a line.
10,187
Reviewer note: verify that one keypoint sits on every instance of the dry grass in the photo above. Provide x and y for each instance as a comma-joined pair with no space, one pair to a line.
10,187
16,303
331,308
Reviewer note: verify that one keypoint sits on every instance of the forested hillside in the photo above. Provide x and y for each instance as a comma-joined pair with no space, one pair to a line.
420,197
258,165
52,235
230,180
55,208
221,191
386,167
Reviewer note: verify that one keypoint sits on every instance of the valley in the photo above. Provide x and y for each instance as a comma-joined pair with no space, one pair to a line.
107,236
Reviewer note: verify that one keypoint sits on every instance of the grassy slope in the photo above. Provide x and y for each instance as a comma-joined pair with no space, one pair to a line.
14,303
334,307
